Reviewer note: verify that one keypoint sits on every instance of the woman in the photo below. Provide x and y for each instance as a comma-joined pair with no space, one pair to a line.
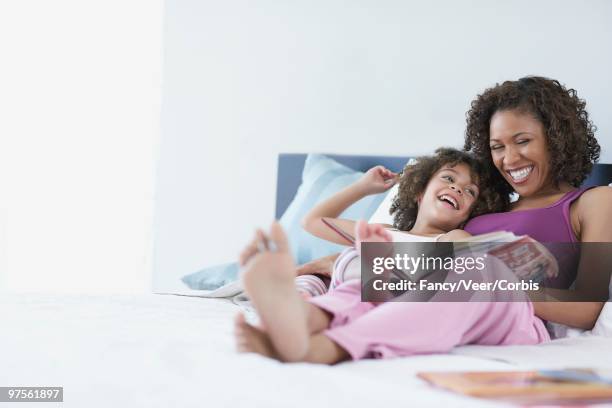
538,135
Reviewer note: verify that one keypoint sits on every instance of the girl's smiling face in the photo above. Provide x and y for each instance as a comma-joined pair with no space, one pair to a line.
449,197
520,152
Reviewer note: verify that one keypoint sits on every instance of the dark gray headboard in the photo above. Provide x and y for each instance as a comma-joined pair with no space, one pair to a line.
290,166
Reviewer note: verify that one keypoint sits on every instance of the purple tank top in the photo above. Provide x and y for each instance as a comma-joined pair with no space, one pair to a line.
548,225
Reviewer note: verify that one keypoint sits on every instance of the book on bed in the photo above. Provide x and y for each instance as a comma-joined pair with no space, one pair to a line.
528,387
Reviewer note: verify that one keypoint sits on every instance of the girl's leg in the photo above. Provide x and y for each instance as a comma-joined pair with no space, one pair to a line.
321,349
401,328
268,279
317,319
406,328
250,339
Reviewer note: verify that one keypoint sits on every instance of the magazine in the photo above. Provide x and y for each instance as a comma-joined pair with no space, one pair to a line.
527,258
528,387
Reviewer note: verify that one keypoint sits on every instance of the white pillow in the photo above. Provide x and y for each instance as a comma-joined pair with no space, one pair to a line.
603,325
381,215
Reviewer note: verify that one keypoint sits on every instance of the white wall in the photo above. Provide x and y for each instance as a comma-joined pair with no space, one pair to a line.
245,81
80,92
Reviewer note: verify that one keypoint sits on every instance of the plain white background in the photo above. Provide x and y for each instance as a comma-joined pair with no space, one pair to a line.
244,81
80,92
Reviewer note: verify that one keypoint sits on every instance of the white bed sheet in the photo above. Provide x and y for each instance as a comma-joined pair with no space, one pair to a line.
162,351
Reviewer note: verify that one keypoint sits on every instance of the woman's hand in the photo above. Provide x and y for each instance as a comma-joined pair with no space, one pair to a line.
321,266
543,264
377,180
528,259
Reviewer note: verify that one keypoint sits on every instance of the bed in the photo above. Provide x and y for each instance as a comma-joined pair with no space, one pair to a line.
167,350
161,351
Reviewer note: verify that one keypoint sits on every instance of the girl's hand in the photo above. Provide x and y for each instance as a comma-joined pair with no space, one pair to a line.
377,180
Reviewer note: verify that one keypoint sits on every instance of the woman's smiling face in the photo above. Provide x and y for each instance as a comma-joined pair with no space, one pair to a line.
519,150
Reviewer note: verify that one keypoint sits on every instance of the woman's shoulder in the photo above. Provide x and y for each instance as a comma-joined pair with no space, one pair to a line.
596,193
594,209
593,200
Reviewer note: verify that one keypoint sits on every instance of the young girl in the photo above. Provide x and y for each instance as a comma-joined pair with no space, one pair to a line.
435,198
405,207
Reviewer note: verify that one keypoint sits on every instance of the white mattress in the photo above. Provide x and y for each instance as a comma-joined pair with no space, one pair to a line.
161,351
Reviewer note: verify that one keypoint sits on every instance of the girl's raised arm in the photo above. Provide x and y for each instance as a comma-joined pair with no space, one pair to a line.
376,180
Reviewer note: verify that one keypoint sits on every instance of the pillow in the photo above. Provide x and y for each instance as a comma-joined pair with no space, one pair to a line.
381,215
213,277
603,325
321,178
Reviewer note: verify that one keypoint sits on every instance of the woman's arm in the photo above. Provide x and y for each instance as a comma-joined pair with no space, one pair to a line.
594,210
376,180
321,266
581,315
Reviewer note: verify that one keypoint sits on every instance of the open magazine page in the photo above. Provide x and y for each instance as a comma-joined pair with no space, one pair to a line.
552,386
526,257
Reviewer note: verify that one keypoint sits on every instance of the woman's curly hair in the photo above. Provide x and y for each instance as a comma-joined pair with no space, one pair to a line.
570,135
415,177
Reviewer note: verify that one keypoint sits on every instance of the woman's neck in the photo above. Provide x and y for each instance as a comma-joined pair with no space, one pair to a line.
545,196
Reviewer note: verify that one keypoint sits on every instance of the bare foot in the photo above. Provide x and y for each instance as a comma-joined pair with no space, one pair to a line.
268,278
365,232
250,339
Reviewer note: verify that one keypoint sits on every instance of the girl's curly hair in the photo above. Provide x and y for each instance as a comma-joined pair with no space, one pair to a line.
415,177
570,134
